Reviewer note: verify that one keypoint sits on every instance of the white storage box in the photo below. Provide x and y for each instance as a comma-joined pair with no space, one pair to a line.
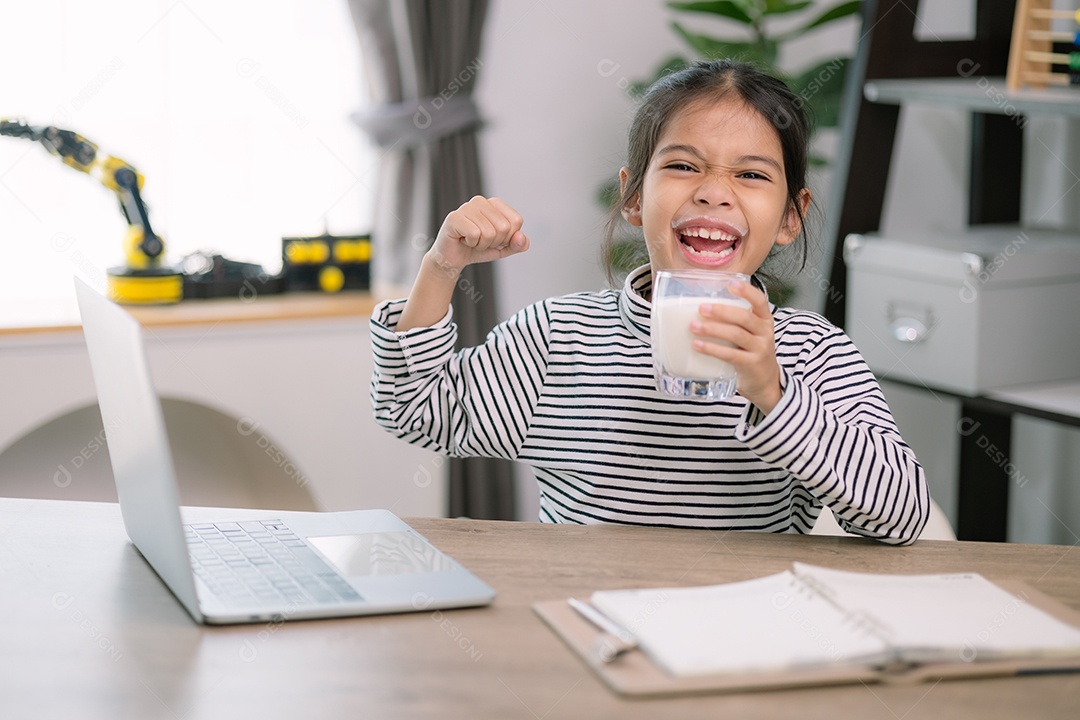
988,307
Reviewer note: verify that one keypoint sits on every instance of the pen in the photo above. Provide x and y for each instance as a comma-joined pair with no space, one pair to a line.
616,639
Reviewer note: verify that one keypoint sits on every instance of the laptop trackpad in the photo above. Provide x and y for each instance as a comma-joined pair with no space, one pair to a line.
380,553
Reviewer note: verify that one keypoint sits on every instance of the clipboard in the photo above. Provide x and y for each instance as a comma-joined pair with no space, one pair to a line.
634,674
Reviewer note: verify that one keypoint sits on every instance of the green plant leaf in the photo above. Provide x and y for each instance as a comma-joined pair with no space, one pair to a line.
836,12
731,9
626,254
822,87
822,76
780,7
762,54
781,292
608,193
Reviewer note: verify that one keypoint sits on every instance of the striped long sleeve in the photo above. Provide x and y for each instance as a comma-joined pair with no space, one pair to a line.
566,386
474,403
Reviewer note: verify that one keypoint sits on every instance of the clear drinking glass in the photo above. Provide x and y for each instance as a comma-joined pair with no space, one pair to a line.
682,371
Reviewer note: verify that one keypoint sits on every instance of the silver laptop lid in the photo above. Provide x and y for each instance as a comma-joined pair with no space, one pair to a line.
138,444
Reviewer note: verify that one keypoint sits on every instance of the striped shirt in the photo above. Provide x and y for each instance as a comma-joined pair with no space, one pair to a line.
566,386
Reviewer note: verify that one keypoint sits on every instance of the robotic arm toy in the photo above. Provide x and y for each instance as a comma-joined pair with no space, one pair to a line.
144,280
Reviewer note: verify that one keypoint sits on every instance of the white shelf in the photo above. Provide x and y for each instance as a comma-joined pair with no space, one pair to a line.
1062,398
987,95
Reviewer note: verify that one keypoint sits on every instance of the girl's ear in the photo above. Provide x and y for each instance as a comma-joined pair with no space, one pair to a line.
793,221
632,209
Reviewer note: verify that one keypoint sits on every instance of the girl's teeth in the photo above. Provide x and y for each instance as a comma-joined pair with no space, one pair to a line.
710,254
708,234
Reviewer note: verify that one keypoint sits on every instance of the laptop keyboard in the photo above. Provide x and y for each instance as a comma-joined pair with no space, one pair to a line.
262,562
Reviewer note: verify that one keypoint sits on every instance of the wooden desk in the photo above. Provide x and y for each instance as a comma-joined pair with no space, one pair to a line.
88,631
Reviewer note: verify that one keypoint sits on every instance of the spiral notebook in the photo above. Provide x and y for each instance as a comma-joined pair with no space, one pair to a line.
815,625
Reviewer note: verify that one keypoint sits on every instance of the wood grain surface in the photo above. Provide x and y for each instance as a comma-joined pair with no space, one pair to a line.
89,631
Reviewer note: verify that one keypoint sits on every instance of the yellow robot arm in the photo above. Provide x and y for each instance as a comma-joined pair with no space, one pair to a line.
143,280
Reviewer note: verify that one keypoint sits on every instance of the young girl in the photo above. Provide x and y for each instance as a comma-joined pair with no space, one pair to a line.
715,178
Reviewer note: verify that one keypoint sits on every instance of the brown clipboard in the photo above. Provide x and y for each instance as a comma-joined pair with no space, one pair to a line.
634,674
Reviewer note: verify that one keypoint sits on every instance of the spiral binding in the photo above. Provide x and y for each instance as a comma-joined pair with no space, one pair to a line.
857,619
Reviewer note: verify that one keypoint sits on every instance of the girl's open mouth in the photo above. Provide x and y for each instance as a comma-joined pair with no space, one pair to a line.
708,242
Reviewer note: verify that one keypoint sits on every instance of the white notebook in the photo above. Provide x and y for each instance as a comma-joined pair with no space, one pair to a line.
811,617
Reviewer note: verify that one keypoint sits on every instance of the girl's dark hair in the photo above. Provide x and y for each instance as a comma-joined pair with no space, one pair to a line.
713,80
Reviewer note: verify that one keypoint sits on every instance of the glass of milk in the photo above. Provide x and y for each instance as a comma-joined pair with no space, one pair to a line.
682,371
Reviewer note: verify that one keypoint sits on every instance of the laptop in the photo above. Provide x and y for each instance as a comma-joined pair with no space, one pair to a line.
268,565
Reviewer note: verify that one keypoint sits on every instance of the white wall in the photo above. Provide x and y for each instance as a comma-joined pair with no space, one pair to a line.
550,89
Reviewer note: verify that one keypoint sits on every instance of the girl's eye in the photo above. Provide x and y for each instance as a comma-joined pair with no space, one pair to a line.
753,175
678,166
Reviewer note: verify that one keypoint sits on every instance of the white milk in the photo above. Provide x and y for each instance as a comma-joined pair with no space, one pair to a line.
672,340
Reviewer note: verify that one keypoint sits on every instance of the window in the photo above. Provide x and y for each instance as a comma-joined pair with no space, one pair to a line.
236,114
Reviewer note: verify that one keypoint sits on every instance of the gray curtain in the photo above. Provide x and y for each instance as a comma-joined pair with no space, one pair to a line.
421,58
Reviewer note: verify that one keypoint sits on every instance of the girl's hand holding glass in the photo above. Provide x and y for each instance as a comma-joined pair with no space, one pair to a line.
752,347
